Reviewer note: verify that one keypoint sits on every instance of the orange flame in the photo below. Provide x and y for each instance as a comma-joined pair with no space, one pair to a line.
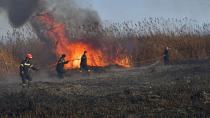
74,49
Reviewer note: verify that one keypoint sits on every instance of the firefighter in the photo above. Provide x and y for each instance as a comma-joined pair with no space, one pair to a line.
166,55
25,68
60,66
83,62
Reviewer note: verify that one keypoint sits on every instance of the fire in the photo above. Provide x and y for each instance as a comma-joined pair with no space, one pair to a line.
76,50
125,62
56,31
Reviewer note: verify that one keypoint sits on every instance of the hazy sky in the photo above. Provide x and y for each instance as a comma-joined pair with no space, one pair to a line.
120,10
135,10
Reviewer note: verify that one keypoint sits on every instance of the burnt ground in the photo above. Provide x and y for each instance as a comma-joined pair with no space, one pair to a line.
177,90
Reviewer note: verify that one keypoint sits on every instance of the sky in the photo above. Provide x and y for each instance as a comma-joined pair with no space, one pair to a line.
136,10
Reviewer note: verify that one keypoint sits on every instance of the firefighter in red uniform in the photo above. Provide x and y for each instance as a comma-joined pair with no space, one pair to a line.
25,68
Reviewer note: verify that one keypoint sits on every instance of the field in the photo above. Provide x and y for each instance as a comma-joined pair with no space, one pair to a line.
127,79
141,42
147,88
156,90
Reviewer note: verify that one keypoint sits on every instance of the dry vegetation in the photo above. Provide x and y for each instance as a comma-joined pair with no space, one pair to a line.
141,41
150,92
160,91
16,43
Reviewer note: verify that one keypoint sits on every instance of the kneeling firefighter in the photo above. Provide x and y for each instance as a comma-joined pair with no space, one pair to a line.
60,66
25,68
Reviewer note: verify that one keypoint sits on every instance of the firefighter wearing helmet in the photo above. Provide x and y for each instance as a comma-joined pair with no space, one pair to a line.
25,68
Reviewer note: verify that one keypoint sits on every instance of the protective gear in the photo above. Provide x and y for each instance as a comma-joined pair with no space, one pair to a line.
29,56
25,68
60,66
83,63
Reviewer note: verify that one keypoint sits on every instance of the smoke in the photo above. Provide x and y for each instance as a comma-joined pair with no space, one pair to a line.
73,12
70,12
19,11
4,3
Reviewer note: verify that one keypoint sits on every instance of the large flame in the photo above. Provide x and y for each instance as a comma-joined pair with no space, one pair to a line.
56,31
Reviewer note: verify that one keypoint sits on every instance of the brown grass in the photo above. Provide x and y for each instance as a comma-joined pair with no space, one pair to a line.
142,41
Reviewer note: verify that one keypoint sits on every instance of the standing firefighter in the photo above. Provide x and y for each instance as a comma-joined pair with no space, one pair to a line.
83,63
166,55
60,66
25,68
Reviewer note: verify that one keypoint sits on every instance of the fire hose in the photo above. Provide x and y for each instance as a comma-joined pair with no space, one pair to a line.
157,59
53,65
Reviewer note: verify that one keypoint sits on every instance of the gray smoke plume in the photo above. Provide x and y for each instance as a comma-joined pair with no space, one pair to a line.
70,12
75,15
19,11
73,12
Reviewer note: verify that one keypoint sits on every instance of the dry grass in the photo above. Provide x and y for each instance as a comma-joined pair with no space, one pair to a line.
17,43
142,41
156,93
7,63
